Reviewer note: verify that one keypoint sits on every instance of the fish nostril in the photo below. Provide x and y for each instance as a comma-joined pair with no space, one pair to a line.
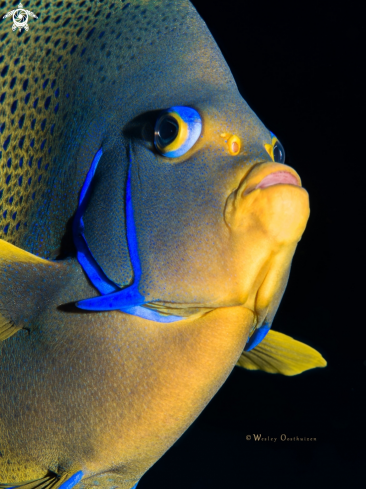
233,143
234,147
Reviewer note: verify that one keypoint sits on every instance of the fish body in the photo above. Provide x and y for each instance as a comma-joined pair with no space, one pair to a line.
149,224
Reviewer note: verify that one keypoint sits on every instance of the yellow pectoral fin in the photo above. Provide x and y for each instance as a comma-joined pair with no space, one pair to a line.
50,481
7,328
11,253
281,354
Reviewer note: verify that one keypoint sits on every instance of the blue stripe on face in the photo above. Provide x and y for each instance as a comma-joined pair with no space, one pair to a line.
145,313
70,483
84,255
130,296
128,300
193,120
257,337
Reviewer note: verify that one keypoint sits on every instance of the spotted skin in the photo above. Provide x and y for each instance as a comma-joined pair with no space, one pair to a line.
45,75
107,393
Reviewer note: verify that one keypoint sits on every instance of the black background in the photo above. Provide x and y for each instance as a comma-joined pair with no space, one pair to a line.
300,66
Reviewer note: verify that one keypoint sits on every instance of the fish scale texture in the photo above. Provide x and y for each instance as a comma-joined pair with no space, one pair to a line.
107,393
53,80
67,87
52,388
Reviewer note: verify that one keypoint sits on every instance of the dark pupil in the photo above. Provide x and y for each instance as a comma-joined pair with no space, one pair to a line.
278,154
167,131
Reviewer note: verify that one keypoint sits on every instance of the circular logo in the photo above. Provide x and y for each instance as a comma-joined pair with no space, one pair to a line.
20,18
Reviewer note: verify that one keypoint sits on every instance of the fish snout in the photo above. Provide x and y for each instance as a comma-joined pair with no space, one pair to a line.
266,216
269,203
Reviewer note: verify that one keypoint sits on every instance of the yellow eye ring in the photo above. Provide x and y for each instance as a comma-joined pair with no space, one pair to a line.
176,131
181,136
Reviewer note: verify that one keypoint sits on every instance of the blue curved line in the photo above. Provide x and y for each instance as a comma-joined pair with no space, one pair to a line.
193,119
72,481
145,313
130,296
257,337
129,299
84,255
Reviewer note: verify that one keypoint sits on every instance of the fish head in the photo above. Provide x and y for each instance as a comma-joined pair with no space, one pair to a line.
217,214
218,225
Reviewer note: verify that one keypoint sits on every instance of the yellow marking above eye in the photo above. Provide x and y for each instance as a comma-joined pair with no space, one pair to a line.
269,149
233,143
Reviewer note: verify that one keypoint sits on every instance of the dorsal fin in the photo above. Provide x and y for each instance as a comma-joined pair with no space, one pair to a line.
281,354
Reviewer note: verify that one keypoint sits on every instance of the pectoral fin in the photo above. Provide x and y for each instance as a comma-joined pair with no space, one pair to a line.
15,264
51,481
281,354
7,328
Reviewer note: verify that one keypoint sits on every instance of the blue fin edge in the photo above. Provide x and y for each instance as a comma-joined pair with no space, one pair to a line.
257,337
70,483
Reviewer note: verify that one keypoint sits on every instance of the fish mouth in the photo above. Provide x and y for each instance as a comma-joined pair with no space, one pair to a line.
266,175
266,216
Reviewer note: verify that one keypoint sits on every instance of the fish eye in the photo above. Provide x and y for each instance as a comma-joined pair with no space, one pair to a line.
176,131
278,150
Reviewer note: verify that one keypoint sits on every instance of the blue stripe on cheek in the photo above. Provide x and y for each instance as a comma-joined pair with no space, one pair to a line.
129,299
130,296
84,255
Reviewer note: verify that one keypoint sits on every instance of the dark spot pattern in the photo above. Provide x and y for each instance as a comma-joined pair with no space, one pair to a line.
71,42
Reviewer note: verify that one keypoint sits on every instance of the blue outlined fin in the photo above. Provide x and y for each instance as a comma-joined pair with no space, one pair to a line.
278,353
51,481
257,337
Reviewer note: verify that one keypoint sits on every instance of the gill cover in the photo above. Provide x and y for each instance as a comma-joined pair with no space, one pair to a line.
127,299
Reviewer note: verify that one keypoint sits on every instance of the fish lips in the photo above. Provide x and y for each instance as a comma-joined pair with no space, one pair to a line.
271,195
264,175
266,215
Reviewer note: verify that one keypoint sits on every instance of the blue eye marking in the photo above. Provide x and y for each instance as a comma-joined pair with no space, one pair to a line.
176,131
